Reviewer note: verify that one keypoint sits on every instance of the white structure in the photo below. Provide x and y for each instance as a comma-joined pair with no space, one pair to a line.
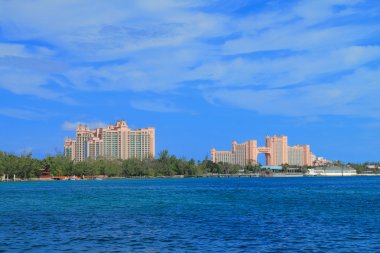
332,171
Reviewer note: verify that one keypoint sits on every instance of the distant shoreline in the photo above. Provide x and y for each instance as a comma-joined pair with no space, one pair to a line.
180,177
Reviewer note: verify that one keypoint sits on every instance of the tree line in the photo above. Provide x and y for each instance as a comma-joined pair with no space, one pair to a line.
366,167
25,166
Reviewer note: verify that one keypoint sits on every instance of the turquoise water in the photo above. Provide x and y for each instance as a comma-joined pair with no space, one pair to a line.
340,214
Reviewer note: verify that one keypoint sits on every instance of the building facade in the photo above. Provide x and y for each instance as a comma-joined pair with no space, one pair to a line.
300,155
276,150
278,146
242,154
113,142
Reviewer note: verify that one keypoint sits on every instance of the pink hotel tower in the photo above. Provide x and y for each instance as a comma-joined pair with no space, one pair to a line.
276,150
113,142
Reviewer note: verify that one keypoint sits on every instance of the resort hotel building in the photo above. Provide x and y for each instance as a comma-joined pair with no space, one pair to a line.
113,142
276,150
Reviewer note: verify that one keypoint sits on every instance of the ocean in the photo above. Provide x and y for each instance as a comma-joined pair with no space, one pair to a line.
307,214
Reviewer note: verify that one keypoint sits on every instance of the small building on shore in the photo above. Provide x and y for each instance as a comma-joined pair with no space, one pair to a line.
273,169
332,171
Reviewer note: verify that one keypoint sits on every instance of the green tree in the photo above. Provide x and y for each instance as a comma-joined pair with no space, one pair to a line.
59,165
2,167
285,167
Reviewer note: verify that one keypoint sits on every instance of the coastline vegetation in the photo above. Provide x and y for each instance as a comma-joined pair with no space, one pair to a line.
25,166
166,165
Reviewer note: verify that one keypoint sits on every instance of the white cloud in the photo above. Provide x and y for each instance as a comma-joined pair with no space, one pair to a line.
24,114
342,97
150,46
26,82
152,39
7,49
287,70
20,50
72,126
103,31
309,25
316,11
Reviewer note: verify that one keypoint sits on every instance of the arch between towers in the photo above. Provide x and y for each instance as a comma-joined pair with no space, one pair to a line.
267,152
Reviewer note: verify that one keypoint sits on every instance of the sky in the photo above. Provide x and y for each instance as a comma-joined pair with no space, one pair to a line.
203,73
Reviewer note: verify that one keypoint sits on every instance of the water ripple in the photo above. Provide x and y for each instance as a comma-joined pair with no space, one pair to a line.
184,215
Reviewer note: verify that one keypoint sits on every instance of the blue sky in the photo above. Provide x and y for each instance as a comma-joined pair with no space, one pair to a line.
203,73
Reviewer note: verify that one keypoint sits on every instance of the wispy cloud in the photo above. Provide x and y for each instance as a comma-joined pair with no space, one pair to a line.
72,126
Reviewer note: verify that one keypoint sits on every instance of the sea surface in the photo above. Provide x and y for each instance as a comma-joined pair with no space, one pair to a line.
309,214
